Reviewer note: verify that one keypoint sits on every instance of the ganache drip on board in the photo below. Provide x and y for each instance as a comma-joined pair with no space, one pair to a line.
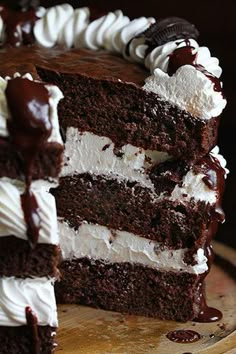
18,26
185,56
29,127
183,336
32,323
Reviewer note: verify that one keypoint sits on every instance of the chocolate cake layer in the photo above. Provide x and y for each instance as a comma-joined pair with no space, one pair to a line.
47,162
105,98
128,206
129,288
27,262
19,340
127,114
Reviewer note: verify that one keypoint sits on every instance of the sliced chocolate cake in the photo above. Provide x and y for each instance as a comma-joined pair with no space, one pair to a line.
29,238
140,189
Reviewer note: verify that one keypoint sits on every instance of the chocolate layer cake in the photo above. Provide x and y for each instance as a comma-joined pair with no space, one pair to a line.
140,189
29,237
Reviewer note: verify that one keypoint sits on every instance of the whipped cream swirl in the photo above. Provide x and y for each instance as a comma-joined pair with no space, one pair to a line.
17,294
132,29
55,95
159,57
70,35
12,217
99,32
200,98
1,30
48,28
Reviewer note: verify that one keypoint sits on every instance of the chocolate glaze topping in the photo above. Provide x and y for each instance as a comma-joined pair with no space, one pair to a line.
183,336
18,26
29,127
32,323
185,56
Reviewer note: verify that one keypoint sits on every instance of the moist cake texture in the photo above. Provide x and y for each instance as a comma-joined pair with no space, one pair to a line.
139,194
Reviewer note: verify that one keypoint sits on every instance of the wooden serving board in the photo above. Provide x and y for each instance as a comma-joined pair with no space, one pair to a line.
84,330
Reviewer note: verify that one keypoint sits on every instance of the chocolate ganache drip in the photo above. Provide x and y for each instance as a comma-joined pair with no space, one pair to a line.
32,323
186,56
18,25
214,179
29,127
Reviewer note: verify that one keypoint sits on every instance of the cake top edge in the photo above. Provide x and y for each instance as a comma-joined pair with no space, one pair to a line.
164,46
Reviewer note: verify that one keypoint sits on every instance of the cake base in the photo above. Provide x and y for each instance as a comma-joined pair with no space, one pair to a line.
19,340
129,288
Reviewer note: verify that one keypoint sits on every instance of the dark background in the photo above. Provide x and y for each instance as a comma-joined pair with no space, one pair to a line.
216,20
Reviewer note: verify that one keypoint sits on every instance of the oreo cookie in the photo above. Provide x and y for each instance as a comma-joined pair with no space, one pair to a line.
168,29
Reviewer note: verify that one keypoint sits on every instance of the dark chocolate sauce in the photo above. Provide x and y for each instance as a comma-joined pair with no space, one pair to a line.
32,323
213,177
183,336
207,314
214,180
29,127
185,56
18,26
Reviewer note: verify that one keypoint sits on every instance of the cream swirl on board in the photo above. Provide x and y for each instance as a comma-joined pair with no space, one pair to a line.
159,57
12,217
17,294
55,95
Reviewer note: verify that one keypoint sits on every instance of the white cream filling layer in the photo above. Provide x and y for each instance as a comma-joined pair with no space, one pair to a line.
87,152
100,243
90,153
16,294
12,217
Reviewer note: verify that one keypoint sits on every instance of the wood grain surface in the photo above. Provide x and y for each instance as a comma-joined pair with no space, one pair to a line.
84,330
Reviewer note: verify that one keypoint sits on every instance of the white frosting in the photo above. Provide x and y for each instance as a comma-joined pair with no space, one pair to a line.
55,95
114,246
3,109
99,32
159,57
85,152
216,153
1,29
70,34
200,98
48,28
12,217
16,294
137,50
193,187
132,29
